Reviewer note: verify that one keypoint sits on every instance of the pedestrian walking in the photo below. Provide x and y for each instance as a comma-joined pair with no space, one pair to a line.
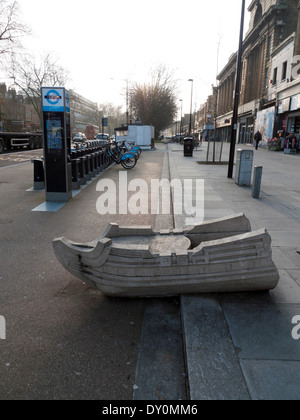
258,139
291,141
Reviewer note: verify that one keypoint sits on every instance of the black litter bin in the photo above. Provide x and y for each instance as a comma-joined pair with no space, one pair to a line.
188,146
38,174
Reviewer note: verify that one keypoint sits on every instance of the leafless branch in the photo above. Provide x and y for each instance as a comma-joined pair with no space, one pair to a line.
11,27
29,74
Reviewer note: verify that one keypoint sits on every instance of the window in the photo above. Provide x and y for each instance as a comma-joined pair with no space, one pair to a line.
284,71
267,79
258,14
275,76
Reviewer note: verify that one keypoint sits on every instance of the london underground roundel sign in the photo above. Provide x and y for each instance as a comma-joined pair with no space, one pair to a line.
53,99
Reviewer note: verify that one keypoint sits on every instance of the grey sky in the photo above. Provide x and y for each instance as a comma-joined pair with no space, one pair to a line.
99,40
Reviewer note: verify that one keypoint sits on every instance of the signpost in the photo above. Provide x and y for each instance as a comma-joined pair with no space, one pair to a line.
104,123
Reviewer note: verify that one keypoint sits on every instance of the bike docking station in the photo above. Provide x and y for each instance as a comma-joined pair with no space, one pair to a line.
57,144
69,169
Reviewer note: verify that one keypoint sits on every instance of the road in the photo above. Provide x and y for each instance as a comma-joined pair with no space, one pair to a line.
18,156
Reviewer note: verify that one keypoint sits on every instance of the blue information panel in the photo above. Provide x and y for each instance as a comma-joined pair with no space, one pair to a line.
54,132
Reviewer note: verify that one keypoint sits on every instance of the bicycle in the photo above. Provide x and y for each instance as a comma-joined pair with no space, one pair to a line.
133,147
137,151
127,160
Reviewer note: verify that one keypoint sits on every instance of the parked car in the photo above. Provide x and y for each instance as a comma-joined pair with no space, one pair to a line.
103,138
79,138
178,138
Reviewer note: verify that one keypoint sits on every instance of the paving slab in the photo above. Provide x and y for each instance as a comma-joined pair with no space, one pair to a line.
287,291
293,253
160,373
281,259
212,365
295,274
273,380
260,331
290,311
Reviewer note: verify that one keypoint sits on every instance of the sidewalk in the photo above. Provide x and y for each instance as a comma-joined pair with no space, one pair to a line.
239,346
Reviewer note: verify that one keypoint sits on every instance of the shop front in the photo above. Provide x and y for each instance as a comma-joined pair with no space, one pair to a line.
287,125
224,128
208,132
246,129
293,125
281,124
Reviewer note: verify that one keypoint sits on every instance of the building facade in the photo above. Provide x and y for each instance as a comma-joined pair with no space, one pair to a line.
285,85
267,86
83,113
271,23
205,117
17,114
226,87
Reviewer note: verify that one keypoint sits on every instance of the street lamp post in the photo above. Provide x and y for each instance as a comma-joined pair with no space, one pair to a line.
190,126
127,103
234,123
181,117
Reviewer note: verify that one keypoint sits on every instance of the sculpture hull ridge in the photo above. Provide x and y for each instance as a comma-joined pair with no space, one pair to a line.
222,255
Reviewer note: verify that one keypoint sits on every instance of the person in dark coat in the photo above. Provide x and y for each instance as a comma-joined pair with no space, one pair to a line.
258,139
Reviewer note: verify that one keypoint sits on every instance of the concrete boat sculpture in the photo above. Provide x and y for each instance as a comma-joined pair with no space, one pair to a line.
222,255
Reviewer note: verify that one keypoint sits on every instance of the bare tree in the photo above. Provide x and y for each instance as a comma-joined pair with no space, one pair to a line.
155,103
11,27
29,74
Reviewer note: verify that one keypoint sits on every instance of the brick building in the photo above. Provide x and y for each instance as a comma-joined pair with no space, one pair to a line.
2,105
206,115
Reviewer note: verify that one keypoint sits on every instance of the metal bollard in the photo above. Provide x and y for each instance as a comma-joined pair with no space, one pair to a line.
98,161
258,170
75,174
88,167
92,163
102,160
82,175
96,168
